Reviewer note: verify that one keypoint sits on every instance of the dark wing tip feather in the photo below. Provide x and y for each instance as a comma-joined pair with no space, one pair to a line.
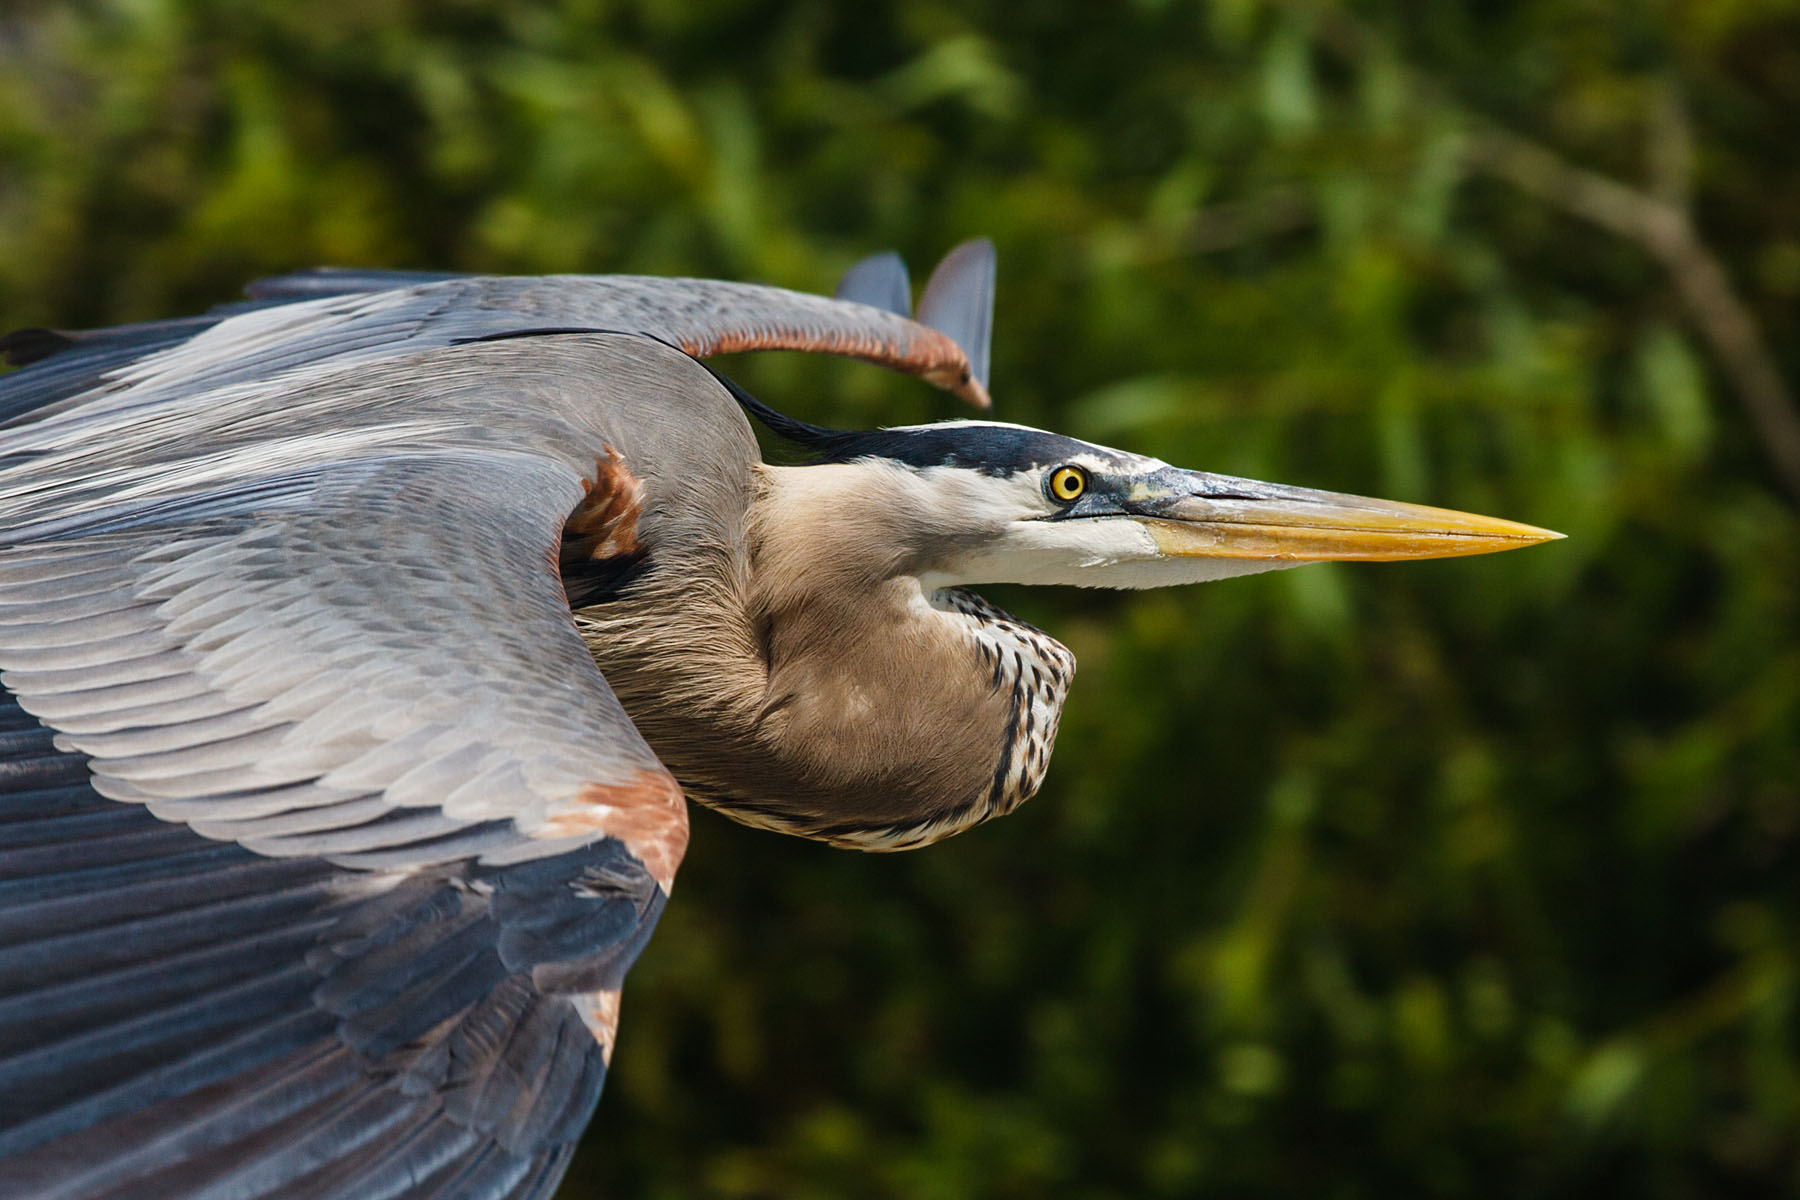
959,301
23,346
79,360
879,281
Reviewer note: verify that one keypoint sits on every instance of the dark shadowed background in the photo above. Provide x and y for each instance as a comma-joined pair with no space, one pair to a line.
1466,878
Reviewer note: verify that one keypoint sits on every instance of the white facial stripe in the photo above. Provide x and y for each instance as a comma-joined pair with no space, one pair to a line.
1104,552
1109,468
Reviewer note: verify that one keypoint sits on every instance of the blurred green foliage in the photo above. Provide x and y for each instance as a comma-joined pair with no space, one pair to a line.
1470,878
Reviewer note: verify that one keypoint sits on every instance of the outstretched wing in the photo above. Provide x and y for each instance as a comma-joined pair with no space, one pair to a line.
324,847
296,321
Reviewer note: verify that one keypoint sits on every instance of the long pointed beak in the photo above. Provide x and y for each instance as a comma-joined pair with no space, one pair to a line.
1192,514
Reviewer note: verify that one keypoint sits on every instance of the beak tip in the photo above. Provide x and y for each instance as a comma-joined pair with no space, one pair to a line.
1531,535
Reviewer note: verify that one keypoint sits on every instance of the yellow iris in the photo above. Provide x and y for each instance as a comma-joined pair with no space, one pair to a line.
1067,483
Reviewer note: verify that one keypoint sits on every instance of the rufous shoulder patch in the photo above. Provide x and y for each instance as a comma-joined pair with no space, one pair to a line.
604,524
647,813
600,1012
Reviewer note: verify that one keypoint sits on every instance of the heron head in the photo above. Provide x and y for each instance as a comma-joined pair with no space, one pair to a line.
975,502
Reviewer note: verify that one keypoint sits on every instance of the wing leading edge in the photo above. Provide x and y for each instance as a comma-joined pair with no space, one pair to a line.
297,321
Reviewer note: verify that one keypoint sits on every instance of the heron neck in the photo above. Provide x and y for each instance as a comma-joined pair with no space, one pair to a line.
812,696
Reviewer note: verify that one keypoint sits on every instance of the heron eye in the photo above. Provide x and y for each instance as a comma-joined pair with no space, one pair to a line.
1067,483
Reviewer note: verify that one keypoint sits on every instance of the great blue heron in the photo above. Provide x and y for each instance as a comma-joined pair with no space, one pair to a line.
360,642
